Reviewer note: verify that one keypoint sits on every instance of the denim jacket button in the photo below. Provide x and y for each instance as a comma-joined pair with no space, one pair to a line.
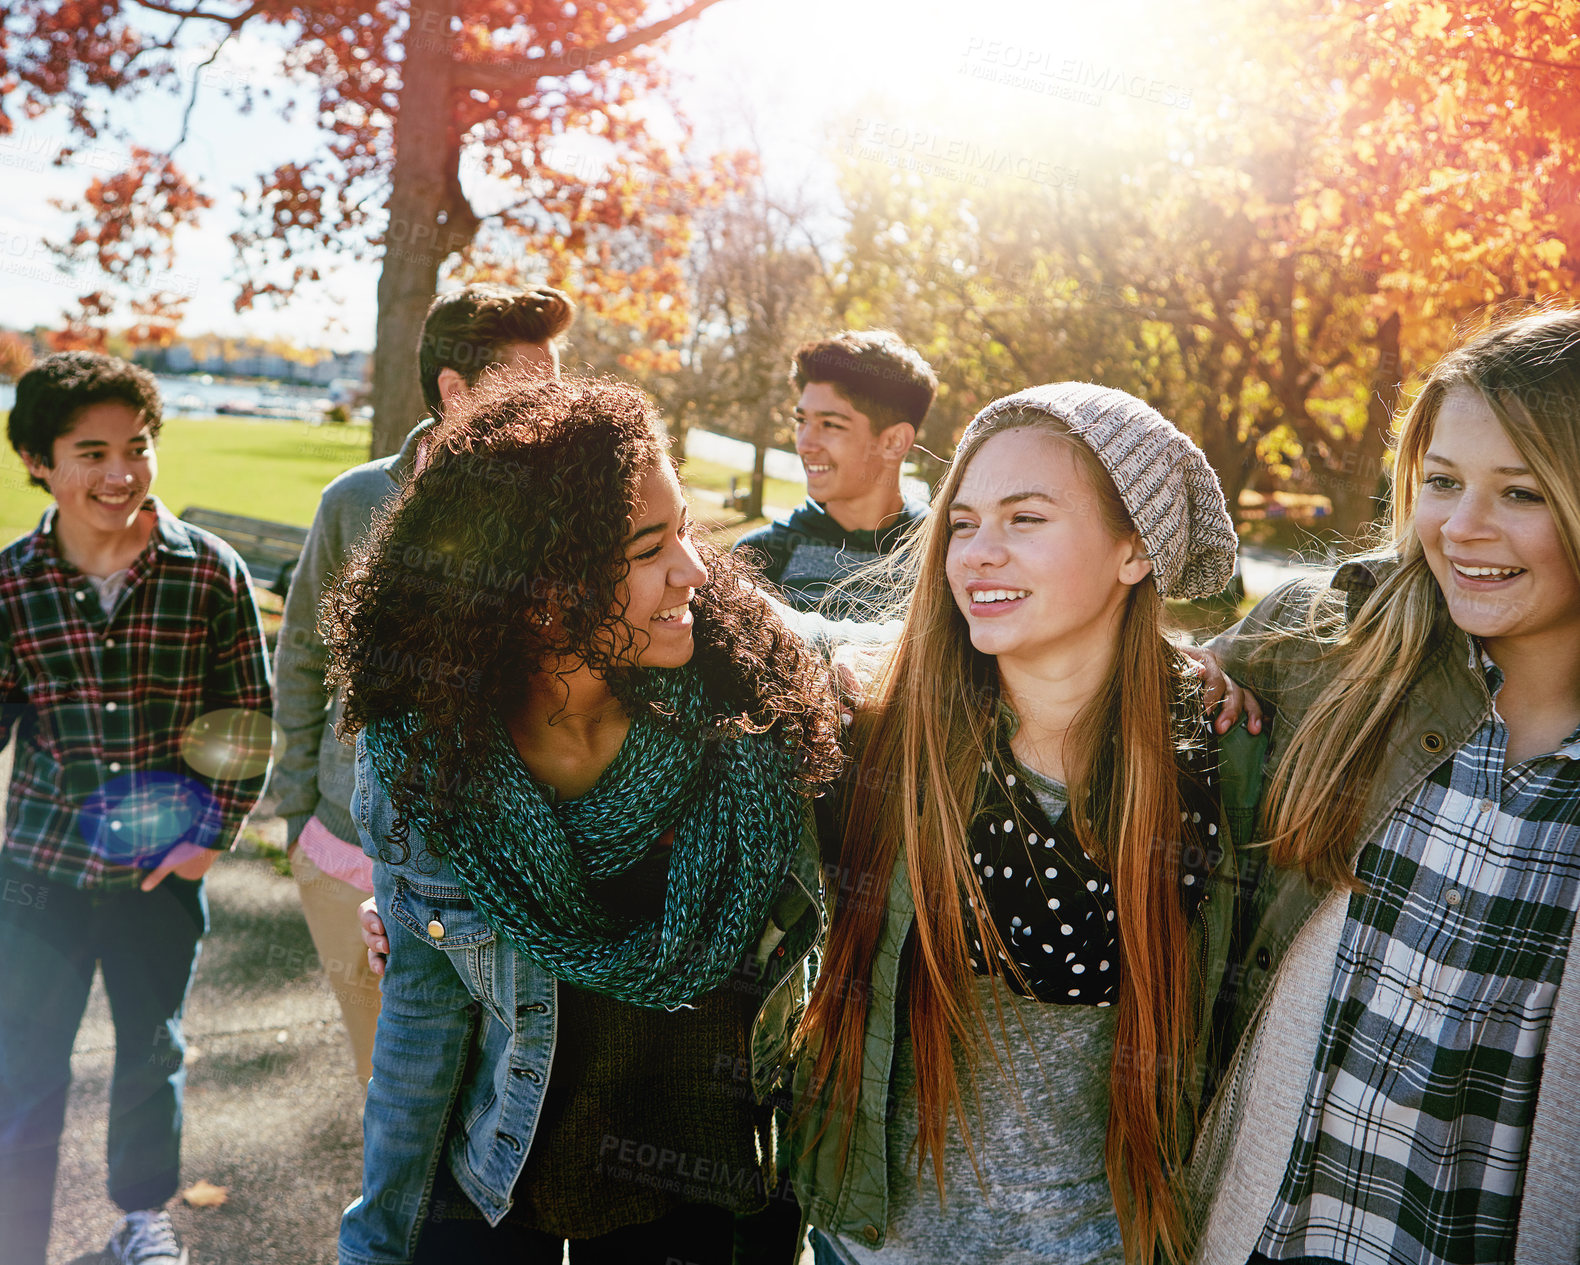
436,929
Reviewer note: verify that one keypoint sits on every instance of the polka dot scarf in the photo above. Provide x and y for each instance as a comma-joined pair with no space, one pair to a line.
1051,903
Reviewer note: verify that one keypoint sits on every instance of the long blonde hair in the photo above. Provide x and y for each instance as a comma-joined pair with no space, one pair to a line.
920,742
1528,372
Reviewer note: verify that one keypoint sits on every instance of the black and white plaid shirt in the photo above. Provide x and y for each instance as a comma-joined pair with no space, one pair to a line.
1411,1147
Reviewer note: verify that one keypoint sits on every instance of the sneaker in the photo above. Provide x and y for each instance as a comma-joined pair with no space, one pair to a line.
145,1238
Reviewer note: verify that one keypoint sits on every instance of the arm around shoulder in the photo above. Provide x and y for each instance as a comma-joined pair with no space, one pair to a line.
1239,650
826,635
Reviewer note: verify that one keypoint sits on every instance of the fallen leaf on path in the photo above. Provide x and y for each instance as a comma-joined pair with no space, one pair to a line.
205,1195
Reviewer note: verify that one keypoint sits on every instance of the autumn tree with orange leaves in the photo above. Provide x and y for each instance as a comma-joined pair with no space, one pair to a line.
412,96
16,356
1455,169
1449,175
1370,177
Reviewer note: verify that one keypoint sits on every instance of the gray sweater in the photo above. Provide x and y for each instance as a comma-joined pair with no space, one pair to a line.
316,773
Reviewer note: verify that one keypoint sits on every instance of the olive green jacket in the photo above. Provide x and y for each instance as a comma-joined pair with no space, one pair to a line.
1446,704
848,1195
1443,709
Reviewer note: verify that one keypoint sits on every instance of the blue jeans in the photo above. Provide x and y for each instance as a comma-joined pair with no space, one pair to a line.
51,937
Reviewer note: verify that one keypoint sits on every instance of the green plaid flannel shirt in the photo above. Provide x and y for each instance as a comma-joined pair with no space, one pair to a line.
137,730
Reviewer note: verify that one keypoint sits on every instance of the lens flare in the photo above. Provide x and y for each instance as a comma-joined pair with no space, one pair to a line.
231,744
136,818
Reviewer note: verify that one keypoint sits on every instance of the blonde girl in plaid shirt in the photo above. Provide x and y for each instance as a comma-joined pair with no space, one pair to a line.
1401,1032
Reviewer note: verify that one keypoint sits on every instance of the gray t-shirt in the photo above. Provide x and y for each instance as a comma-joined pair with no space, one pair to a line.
1039,1141
1052,797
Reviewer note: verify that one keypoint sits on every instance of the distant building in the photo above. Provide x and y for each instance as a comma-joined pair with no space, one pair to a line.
240,359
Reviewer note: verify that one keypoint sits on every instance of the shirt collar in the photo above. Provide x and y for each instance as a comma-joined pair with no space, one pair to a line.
1480,661
406,458
910,511
39,545
168,536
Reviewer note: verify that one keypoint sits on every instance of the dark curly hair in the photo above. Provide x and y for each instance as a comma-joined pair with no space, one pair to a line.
51,394
521,513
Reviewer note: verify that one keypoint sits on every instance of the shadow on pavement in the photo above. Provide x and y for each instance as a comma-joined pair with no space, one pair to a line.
273,1110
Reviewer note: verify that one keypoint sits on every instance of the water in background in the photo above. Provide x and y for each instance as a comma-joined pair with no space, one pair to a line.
204,396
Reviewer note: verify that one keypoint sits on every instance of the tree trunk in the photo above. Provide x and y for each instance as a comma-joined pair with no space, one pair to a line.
1230,458
1356,485
425,221
754,499
762,440
679,421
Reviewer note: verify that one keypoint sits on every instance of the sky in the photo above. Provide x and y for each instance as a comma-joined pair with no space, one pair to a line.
907,84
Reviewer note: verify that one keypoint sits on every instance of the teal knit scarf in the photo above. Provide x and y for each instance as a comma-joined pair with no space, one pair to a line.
533,867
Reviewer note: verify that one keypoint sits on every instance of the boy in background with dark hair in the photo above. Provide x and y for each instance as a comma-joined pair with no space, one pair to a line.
132,667
863,396
467,331
484,326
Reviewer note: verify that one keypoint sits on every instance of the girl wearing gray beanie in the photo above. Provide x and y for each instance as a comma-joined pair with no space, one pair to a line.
1003,1052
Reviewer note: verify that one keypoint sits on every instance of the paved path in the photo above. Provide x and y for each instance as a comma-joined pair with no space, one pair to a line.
273,1110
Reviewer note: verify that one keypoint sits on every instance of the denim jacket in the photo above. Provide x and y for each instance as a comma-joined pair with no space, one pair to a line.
457,998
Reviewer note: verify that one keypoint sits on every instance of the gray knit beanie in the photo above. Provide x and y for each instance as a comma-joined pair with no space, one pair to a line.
1173,496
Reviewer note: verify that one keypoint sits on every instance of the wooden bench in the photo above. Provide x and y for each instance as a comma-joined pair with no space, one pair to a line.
270,550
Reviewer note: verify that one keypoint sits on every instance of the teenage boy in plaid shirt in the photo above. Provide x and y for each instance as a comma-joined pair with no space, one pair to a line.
127,637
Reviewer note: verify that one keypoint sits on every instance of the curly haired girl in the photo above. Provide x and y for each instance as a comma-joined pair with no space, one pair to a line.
585,756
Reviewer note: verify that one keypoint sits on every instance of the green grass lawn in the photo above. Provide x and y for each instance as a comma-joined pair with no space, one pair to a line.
276,470
272,470
713,477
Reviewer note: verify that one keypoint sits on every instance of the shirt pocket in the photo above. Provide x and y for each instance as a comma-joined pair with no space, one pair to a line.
175,663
